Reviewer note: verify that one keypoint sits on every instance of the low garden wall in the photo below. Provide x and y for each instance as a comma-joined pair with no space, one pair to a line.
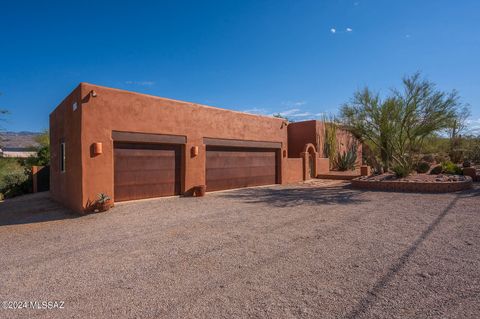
323,165
415,187
293,170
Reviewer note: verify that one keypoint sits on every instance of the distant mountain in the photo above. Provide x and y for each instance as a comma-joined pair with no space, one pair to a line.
18,139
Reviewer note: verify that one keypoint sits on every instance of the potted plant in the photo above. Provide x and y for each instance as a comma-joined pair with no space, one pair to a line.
199,191
103,202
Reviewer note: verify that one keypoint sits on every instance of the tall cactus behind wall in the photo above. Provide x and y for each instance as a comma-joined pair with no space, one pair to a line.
330,138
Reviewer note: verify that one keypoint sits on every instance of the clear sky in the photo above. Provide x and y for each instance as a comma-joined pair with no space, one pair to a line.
299,58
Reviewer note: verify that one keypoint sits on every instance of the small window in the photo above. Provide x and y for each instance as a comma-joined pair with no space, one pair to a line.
62,157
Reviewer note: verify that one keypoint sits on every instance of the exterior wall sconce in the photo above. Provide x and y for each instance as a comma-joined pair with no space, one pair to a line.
97,148
194,151
284,153
93,93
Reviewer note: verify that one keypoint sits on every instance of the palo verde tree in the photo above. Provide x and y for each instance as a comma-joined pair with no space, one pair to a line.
458,126
396,127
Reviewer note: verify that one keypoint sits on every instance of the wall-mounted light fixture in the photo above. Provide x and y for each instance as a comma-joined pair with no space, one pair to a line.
97,148
194,151
284,153
93,93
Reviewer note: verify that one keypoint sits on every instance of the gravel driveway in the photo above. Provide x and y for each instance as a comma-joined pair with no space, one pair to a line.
315,250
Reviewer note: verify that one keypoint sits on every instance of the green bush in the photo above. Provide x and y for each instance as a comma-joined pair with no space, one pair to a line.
400,171
14,183
451,168
423,167
436,170
14,178
42,158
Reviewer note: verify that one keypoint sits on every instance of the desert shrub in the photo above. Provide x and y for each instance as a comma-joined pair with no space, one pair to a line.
467,163
456,156
423,167
429,158
14,178
42,157
346,161
14,183
436,170
441,157
473,154
451,168
400,171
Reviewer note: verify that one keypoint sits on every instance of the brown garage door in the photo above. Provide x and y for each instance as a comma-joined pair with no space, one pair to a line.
231,167
146,170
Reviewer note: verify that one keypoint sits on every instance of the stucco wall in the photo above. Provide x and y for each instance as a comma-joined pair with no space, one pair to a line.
323,165
65,125
293,170
300,134
109,110
120,110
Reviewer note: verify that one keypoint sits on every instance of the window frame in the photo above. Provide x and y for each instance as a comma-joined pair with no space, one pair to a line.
62,157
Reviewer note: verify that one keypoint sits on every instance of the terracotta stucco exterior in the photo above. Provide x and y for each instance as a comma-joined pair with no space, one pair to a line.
87,127
110,110
66,125
312,132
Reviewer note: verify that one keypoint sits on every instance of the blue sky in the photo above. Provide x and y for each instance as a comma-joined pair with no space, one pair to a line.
299,58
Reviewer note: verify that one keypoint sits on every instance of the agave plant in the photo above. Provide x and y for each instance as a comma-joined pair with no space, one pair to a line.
103,198
346,160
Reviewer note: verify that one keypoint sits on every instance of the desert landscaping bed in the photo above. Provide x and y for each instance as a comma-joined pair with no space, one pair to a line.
419,183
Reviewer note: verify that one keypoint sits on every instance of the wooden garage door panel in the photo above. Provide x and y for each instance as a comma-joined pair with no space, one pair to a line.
229,167
239,172
143,191
146,170
150,177
242,159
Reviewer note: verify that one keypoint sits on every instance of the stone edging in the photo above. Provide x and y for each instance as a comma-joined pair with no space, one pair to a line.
413,187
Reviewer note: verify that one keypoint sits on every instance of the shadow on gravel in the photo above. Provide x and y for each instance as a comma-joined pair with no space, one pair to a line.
474,192
33,208
296,196
364,304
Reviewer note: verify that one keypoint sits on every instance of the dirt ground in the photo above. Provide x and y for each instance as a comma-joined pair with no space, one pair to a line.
315,250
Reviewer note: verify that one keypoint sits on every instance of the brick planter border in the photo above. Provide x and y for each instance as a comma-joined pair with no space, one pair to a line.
413,187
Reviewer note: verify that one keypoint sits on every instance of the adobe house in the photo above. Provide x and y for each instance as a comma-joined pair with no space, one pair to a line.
312,133
133,146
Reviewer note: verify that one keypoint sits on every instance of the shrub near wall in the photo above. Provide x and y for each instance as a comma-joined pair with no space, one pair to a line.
14,178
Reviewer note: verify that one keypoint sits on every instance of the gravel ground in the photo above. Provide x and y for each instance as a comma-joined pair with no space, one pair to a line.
315,250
